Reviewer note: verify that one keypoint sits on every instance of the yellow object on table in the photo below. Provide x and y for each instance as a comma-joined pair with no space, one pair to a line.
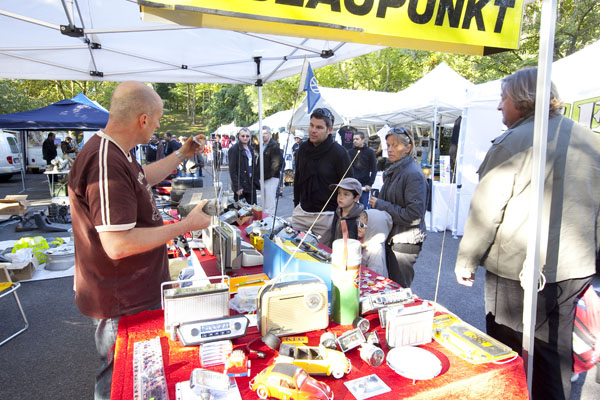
247,280
257,241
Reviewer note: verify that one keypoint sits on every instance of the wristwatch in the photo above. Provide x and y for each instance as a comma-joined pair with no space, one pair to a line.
180,156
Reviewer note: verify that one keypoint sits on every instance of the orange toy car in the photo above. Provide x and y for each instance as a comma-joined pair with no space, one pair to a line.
286,381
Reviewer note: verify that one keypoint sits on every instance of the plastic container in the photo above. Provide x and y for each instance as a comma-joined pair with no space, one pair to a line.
247,295
353,258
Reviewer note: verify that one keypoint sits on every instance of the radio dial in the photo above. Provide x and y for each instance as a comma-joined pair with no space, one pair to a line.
313,301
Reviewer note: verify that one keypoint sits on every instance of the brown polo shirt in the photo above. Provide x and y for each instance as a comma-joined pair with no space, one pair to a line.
108,191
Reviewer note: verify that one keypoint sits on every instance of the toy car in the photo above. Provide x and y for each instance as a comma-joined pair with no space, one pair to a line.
315,360
288,381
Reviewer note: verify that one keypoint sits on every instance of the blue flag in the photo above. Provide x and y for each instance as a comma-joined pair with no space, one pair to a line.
312,89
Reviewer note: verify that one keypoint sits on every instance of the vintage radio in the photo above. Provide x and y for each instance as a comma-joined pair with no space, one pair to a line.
227,246
201,301
287,308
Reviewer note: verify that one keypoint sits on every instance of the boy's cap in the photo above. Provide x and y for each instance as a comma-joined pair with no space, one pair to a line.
349,184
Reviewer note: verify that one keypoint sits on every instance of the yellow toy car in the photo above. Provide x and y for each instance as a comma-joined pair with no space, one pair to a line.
288,381
316,360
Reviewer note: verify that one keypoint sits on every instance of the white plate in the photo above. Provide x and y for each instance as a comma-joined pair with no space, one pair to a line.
414,363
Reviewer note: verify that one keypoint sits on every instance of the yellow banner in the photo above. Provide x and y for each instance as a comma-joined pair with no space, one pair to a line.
463,26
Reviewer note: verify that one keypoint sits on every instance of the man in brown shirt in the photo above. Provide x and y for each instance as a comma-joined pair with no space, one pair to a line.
121,257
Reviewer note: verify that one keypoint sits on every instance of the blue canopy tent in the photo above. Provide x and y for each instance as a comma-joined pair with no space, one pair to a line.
78,113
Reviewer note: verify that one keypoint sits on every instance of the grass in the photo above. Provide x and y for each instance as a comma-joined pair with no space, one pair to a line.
178,123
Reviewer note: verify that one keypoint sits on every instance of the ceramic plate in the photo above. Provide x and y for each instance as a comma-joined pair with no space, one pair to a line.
414,363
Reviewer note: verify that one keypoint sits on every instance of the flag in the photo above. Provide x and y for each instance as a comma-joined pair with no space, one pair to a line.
310,86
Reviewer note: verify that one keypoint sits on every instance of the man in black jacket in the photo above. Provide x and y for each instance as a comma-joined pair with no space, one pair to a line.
49,149
364,167
273,160
171,144
320,163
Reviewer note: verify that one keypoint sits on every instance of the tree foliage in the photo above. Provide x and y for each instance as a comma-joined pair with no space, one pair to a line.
230,104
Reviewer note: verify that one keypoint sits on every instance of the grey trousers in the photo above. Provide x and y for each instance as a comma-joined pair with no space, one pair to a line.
302,220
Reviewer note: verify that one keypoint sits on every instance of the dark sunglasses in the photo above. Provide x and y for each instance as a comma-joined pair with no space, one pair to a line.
362,225
401,131
318,112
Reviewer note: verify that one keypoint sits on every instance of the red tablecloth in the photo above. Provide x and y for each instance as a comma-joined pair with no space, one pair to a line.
458,378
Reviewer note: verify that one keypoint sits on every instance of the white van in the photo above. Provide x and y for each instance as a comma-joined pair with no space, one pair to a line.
35,139
10,156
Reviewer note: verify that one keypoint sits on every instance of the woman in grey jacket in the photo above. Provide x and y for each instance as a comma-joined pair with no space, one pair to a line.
404,197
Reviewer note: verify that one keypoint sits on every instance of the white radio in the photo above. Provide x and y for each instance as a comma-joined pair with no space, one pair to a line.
287,308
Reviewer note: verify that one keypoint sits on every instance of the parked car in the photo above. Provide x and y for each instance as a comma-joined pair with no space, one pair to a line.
316,360
10,156
288,381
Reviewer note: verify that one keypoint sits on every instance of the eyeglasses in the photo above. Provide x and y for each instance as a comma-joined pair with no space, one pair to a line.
323,112
362,225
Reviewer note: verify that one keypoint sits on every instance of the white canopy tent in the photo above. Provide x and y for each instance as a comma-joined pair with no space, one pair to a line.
106,40
440,94
482,122
345,104
280,119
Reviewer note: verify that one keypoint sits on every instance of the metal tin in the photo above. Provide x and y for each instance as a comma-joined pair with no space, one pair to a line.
371,354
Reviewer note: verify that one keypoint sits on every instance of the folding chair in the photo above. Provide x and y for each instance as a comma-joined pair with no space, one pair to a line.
7,286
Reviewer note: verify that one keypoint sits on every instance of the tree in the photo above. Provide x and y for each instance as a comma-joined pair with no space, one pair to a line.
230,104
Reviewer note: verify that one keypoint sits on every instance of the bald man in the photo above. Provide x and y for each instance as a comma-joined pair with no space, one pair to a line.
121,257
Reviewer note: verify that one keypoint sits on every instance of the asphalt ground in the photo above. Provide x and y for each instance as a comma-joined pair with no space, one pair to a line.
56,357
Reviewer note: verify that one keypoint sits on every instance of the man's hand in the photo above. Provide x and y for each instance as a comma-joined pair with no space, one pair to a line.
192,146
239,192
465,278
367,188
197,219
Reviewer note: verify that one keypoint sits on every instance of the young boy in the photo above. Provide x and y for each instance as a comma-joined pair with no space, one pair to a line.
373,229
349,209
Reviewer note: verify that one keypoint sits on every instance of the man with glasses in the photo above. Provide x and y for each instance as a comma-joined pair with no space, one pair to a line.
320,162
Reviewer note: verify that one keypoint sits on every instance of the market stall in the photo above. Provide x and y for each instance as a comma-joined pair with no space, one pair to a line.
455,378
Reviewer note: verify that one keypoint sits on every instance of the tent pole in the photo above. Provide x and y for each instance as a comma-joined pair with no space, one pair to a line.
458,170
432,175
22,136
259,84
533,260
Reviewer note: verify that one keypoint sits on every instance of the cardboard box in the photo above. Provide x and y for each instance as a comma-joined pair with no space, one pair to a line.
22,271
13,204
